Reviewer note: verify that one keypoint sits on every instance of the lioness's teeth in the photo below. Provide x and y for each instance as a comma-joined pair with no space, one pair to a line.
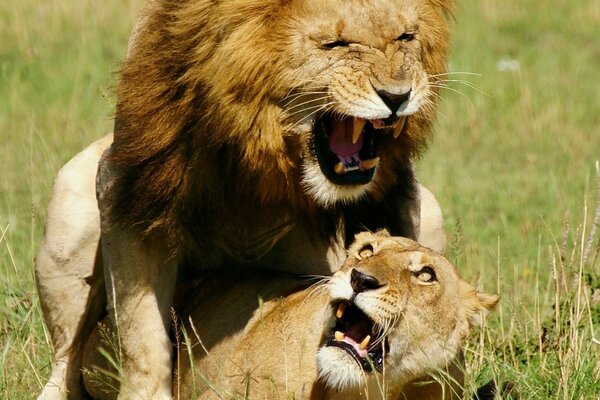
398,127
341,309
365,342
339,336
368,164
359,124
339,168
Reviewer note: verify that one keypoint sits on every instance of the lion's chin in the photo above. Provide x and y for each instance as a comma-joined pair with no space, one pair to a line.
326,193
338,370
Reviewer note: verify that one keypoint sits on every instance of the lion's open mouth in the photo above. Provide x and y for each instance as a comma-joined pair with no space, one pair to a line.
355,333
347,147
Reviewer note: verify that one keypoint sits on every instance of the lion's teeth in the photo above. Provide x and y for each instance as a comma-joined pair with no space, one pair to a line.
398,127
340,310
339,336
359,124
369,164
365,342
339,168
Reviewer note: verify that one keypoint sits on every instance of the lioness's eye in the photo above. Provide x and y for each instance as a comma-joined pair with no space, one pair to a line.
334,44
406,37
366,251
426,274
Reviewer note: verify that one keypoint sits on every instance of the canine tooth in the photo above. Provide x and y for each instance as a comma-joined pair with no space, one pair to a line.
359,124
339,168
368,164
340,310
339,336
398,127
365,342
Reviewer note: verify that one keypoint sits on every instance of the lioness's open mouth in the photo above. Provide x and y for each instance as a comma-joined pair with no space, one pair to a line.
355,333
347,147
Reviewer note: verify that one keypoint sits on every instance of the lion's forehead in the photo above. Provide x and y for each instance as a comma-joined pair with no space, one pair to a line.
390,259
381,20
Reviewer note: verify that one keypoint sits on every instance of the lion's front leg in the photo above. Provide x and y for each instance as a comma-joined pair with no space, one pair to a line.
140,280
68,270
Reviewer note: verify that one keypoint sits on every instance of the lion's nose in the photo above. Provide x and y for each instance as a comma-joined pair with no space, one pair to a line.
362,282
393,100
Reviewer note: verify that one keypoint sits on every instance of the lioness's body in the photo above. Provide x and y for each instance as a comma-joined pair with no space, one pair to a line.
261,333
248,132
69,267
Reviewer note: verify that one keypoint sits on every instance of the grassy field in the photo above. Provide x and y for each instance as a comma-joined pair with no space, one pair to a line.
512,162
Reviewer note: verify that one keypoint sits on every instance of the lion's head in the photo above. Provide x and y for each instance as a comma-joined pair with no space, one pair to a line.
398,307
315,101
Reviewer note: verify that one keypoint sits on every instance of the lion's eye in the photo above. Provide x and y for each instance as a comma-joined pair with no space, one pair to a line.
334,44
426,274
406,37
366,251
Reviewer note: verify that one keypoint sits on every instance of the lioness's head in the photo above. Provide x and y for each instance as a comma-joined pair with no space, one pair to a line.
397,307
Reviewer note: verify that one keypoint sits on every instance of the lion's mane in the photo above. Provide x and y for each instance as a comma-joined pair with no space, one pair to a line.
200,119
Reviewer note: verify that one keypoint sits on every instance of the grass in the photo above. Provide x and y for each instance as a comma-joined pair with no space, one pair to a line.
508,162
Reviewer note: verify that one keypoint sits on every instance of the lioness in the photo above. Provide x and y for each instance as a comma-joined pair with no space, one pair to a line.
246,132
392,316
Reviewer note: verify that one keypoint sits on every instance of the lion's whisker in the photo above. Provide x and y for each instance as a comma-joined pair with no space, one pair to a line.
290,99
454,90
466,83
454,73
306,102
318,109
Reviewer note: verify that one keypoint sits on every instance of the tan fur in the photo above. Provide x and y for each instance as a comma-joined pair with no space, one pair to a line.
256,344
69,268
212,162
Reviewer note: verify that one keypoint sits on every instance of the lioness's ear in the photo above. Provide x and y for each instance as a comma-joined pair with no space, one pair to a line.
478,304
367,235
382,233
486,303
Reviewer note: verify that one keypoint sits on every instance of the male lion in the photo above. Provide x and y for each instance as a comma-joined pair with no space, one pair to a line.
395,314
247,132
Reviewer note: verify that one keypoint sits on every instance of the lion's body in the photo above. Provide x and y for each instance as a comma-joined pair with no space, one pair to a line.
261,332
260,133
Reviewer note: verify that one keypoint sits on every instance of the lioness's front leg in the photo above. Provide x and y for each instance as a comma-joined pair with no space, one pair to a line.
139,281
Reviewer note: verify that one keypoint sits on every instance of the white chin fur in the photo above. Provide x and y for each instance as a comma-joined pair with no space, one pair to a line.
338,370
327,193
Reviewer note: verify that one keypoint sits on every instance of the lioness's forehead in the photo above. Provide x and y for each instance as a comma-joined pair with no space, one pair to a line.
360,20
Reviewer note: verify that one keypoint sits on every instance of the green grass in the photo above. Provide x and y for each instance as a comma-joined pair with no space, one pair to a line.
507,162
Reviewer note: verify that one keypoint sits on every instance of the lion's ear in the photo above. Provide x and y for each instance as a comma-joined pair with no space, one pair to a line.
478,304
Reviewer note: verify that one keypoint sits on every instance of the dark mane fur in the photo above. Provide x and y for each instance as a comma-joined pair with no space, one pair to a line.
196,131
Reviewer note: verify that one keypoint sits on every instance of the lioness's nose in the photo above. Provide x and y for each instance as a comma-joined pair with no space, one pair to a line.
362,282
392,100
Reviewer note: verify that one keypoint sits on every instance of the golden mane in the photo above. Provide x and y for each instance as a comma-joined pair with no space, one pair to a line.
200,118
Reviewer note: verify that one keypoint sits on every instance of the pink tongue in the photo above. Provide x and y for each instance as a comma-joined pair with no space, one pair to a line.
340,139
361,352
